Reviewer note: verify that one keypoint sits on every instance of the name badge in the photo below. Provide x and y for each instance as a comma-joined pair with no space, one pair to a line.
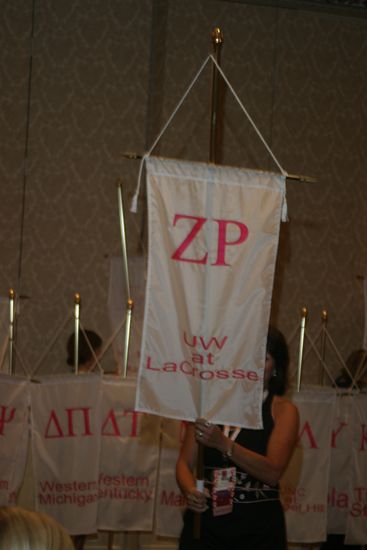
224,481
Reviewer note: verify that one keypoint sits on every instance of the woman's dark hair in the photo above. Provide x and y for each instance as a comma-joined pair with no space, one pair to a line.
277,347
84,351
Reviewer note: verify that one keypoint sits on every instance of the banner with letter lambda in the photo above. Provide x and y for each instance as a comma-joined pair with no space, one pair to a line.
213,239
340,493
303,486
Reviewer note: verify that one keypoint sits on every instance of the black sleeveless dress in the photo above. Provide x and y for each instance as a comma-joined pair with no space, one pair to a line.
257,519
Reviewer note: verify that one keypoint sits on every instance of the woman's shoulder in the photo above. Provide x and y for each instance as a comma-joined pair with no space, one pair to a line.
283,406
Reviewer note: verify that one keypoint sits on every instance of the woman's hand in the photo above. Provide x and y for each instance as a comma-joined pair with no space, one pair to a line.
210,435
196,501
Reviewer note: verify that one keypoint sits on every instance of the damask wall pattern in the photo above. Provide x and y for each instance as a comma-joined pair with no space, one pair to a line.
302,77
88,105
105,78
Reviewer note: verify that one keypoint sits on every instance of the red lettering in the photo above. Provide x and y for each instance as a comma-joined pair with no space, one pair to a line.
85,420
336,432
222,374
134,422
177,255
5,420
111,428
149,364
54,430
360,493
363,437
358,509
222,242
187,368
210,358
169,367
308,431
213,340
172,499
239,373
111,419
192,344
53,421
197,358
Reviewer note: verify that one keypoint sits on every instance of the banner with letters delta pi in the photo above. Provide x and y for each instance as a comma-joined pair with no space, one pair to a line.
66,440
213,238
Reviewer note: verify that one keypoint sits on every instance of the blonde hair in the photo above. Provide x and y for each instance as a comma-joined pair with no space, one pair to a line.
22,529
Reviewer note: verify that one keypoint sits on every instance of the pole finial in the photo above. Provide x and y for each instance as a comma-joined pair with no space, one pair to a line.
304,312
77,298
324,315
217,36
11,294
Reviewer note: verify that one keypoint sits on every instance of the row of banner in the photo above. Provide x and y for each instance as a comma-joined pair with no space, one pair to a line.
100,465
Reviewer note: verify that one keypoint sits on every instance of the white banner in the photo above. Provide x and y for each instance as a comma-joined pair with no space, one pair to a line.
170,503
66,428
339,496
14,432
129,459
357,519
213,238
305,483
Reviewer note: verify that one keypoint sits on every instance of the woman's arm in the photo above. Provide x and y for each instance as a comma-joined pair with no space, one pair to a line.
196,500
267,468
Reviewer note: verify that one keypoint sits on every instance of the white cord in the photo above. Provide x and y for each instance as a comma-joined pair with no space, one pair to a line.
134,202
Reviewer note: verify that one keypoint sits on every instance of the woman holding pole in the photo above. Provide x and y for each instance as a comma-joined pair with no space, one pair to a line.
240,506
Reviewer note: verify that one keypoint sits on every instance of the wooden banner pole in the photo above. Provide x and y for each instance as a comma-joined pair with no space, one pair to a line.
214,156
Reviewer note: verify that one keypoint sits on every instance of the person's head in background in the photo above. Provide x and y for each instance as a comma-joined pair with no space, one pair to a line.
85,356
357,366
22,529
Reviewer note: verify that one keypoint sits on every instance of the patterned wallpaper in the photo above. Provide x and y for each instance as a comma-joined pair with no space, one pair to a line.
105,77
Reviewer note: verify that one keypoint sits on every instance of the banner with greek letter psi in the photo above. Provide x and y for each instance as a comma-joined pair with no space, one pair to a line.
14,432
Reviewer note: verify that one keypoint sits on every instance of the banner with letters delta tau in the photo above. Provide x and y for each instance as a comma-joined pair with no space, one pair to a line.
213,238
